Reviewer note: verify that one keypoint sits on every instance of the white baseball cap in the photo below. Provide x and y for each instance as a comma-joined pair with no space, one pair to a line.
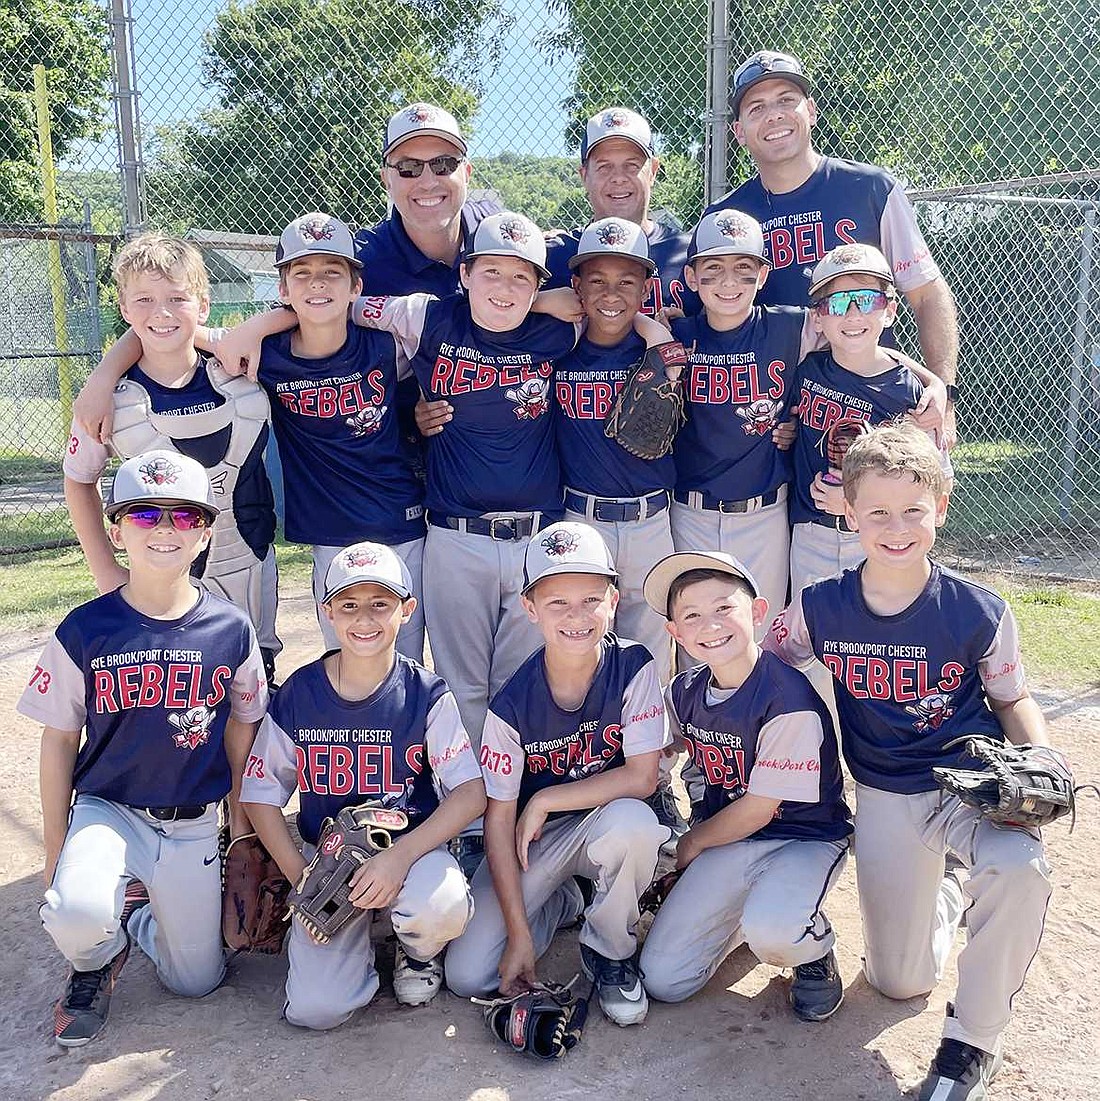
613,237
566,547
510,234
421,120
661,578
315,234
160,478
363,562
727,233
616,122
855,259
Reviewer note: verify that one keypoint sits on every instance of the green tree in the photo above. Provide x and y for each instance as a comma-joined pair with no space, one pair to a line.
68,37
306,87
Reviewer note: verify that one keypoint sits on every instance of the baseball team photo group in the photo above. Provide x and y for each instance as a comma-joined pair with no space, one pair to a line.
629,691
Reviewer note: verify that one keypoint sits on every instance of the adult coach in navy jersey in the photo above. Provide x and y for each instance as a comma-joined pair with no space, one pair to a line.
619,167
809,203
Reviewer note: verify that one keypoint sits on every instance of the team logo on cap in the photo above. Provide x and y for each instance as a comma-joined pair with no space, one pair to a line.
759,416
532,398
612,234
367,421
420,112
360,558
729,225
560,543
611,120
316,229
849,254
193,727
512,229
931,712
159,472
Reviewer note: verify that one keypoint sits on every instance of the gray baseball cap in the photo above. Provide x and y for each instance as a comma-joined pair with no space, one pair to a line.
855,259
616,122
727,233
160,478
766,65
315,234
367,562
510,234
421,120
613,237
660,579
566,547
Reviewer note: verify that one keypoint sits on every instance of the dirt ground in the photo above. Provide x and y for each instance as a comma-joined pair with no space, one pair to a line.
735,1040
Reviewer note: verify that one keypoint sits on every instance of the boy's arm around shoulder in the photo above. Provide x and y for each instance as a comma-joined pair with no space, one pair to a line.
403,315
789,636
238,349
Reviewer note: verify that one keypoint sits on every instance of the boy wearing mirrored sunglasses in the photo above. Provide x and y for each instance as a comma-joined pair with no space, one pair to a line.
149,696
840,391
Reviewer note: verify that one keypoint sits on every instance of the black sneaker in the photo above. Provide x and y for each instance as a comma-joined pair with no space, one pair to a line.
959,1072
663,804
817,989
618,987
135,898
81,1014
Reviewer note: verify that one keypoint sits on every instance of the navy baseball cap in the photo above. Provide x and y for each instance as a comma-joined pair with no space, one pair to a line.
315,234
766,65
616,122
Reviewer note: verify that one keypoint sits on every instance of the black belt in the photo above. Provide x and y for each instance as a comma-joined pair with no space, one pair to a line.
500,527
173,814
837,523
699,499
616,510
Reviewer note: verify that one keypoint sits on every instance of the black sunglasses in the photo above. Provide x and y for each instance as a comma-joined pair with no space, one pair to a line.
410,167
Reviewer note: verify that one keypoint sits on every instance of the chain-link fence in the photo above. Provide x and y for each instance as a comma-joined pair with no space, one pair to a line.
223,121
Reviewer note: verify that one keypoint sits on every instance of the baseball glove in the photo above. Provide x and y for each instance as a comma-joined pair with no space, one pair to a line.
320,900
836,442
1021,785
254,893
545,1021
652,897
649,408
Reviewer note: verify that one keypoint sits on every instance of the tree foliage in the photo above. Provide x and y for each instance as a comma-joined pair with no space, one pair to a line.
68,37
305,89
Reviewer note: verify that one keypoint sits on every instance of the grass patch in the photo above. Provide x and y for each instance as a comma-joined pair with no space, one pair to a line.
43,526
21,467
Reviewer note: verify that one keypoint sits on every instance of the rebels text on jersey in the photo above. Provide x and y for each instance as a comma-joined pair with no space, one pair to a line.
906,684
404,746
530,743
497,454
771,737
586,383
152,697
347,478
739,386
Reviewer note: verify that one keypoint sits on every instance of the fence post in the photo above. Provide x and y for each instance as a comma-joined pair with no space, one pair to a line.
717,116
129,137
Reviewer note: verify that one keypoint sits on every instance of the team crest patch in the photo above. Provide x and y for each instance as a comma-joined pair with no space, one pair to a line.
192,727
367,421
512,229
612,234
420,112
357,558
931,712
532,398
760,416
316,229
612,120
850,254
159,472
560,543
730,225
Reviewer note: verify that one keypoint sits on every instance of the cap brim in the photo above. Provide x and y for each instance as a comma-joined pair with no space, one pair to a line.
111,510
660,579
626,137
821,283
317,252
792,78
399,591
426,132
543,272
727,250
574,567
576,261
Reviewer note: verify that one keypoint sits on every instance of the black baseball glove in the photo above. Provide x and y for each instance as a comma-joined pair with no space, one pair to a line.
1021,785
649,409
545,1021
320,901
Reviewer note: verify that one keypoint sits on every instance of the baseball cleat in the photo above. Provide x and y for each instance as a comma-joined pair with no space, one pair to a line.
416,982
663,804
79,1016
959,1072
817,989
618,987
135,898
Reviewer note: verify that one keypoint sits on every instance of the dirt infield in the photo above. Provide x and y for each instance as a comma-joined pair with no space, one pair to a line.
736,1040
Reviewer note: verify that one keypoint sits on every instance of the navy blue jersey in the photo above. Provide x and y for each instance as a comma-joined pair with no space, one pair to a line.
907,684
347,478
586,383
530,743
842,202
826,393
667,249
738,387
403,746
197,396
152,697
772,737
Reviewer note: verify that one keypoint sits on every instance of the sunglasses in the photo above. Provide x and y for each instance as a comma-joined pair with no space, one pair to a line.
183,517
410,168
838,303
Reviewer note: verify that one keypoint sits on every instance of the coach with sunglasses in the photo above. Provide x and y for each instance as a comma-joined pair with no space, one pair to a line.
809,203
